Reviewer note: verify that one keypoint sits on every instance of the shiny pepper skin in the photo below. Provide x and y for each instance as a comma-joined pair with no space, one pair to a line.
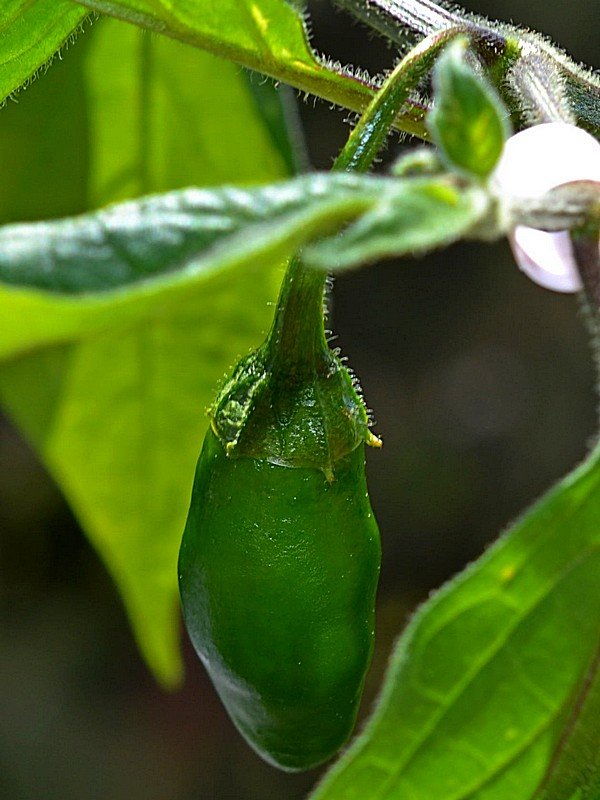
280,555
278,570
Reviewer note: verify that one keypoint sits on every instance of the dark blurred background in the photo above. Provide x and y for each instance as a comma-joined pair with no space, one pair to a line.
482,387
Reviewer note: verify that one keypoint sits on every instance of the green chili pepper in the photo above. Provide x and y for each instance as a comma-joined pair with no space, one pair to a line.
278,574
280,556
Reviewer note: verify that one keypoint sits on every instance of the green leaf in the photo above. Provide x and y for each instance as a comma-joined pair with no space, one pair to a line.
175,127
118,417
268,36
71,277
468,122
44,154
486,679
415,216
144,248
30,34
279,112
112,392
575,767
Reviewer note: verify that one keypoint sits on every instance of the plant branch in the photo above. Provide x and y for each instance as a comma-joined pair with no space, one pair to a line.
388,17
298,334
397,19
571,206
371,131
539,87
539,81
307,73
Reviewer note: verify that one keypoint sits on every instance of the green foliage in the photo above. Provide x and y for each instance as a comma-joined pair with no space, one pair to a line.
419,215
257,32
45,166
30,34
265,35
126,257
116,327
468,121
489,672
118,417
114,400
575,767
153,246
170,101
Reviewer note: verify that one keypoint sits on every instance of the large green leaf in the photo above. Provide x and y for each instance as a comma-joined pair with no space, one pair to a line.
75,276
163,115
70,278
118,417
268,36
488,676
43,153
113,398
31,31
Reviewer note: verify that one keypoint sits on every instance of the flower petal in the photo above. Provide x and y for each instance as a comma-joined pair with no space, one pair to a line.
533,162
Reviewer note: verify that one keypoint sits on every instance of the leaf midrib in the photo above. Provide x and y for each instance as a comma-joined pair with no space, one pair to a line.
591,676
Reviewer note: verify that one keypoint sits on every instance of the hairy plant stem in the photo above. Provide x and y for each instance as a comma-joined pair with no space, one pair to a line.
539,82
422,17
539,88
316,76
585,242
298,332
399,19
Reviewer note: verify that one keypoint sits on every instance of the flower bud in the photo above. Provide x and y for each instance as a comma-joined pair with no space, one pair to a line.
533,162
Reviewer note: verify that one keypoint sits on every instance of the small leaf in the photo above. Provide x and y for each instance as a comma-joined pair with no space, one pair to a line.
468,122
413,216
489,674
30,34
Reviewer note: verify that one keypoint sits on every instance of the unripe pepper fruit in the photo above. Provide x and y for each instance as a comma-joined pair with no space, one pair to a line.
280,556
278,576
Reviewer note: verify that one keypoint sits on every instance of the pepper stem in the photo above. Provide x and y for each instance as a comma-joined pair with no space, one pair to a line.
297,338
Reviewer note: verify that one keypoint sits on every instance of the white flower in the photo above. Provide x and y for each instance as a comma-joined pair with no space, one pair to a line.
535,161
